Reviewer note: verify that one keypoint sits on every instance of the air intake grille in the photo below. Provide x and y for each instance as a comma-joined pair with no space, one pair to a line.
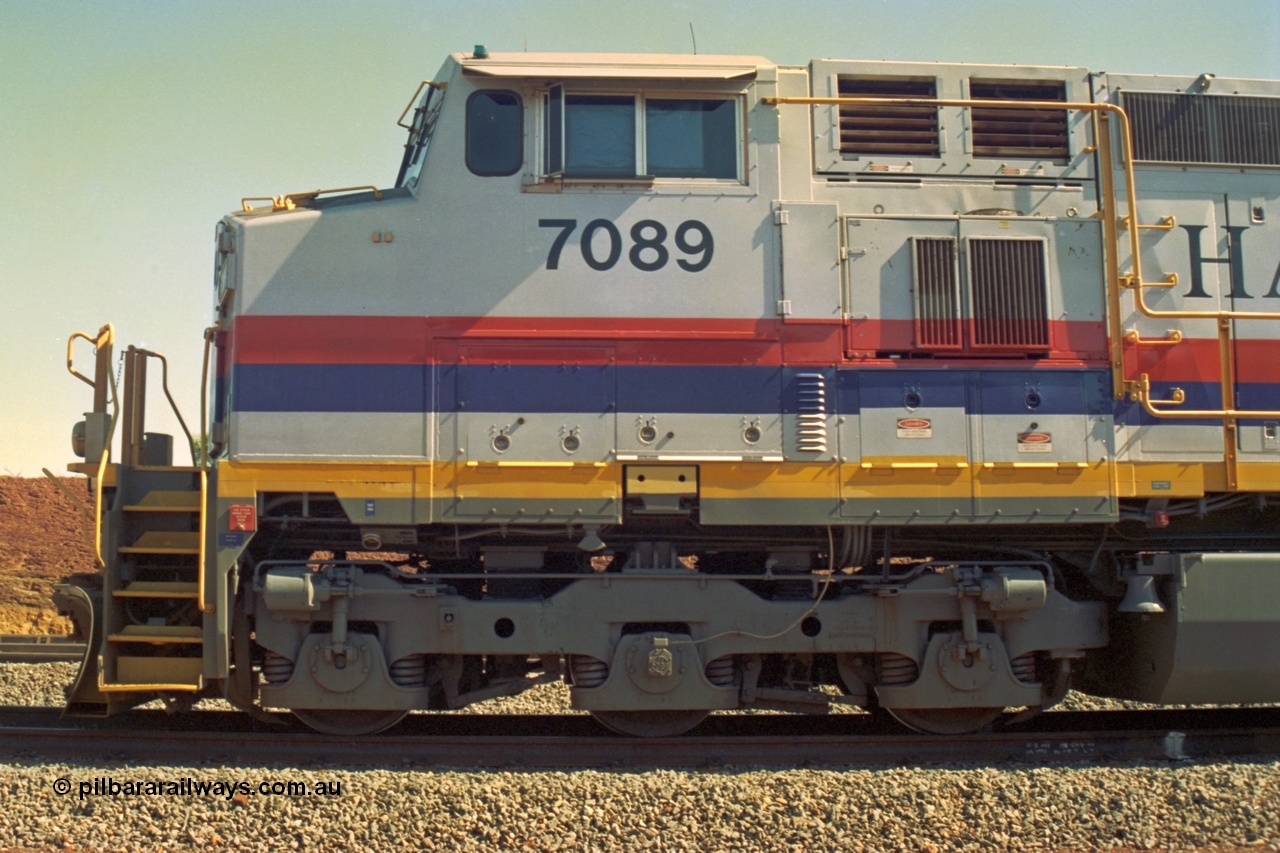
1008,132
937,293
1010,301
891,129
1222,129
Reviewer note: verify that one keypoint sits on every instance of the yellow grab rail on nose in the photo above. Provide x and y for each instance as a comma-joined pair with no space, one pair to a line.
290,201
103,380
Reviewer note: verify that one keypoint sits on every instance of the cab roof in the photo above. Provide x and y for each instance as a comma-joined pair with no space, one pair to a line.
614,65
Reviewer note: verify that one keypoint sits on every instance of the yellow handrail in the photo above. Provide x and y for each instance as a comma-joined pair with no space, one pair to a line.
289,201
1169,280
210,334
1178,397
1135,284
75,336
1167,223
164,385
102,344
204,515
424,84
1174,337
102,470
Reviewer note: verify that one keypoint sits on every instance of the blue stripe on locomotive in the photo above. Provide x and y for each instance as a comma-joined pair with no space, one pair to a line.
329,387
366,388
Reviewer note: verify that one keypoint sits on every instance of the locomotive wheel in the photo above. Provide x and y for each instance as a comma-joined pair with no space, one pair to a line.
649,723
946,721
351,723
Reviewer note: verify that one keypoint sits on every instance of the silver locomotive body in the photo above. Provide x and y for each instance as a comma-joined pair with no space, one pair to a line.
703,383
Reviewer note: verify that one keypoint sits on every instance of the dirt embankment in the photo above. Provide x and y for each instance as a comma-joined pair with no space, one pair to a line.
42,541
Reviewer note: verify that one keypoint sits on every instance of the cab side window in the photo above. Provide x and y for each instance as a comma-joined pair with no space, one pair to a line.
639,136
495,133
691,138
600,136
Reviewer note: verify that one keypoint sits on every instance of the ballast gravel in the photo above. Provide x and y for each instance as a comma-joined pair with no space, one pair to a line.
117,806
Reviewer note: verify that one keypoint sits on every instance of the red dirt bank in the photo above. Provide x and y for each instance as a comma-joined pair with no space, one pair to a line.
41,542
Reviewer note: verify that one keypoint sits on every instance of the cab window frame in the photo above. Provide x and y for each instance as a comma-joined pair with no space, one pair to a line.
723,159
510,148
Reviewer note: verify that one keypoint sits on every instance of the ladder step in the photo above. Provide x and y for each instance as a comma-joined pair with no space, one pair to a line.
158,589
155,673
164,542
158,634
167,501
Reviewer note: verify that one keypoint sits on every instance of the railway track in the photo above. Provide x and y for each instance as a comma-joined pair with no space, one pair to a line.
577,742
24,648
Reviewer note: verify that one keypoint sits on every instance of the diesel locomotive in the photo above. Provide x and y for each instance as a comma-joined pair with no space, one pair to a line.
703,383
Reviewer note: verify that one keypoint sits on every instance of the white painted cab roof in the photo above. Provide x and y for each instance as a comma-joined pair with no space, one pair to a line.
614,65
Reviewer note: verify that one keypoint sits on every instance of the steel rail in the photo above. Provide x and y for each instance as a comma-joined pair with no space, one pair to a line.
22,648
575,741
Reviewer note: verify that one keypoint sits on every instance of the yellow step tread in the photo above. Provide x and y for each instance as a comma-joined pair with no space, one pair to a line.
165,500
158,589
158,634
164,542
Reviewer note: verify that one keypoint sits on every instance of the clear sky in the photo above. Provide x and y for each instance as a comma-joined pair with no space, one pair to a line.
128,128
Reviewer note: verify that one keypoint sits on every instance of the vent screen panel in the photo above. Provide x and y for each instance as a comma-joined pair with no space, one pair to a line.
1233,130
812,411
1007,132
1008,293
892,129
937,295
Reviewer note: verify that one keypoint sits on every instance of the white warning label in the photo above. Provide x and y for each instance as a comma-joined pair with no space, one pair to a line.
915,428
1035,442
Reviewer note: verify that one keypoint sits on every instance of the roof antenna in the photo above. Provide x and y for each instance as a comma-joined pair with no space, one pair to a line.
694,37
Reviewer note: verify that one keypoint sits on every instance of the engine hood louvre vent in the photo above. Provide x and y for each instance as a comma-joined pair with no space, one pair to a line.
1031,133
904,130
1175,127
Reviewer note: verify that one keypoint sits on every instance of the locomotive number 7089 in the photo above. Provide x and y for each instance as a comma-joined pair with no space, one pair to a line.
649,252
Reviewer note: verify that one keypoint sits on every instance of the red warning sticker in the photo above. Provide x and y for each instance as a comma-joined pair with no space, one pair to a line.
1035,442
915,428
242,517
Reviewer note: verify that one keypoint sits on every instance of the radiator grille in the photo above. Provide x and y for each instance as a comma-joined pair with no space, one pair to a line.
1222,129
1009,298
891,129
937,293
1027,133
